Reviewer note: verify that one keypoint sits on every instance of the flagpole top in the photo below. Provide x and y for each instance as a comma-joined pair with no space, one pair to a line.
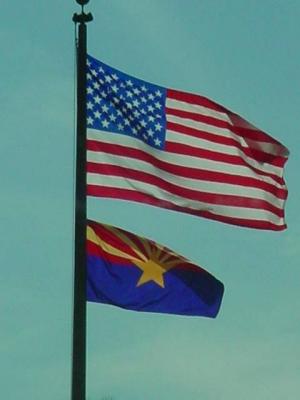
83,17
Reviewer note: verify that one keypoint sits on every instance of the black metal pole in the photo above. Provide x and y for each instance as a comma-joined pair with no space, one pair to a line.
79,310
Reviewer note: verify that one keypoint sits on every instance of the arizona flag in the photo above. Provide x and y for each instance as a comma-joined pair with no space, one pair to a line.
138,274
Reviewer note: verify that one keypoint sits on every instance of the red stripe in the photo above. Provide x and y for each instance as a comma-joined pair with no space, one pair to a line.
261,155
187,266
186,172
184,193
240,126
257,155
93,249
245,129
219,123
125,194
172,147
195,99
197,133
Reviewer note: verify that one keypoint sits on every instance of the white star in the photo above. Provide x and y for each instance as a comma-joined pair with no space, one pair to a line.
105,123
115,77
108,78
96,85
115,88
150,108
103,94
97,99
150,132
128,93
143,111
90,90
158,127
136,91
129,83
89,76
119,113
116,100
136,103
158,105
150,96
144,100
126,122
143,123
136,113
120,127
90,120
158,93
144,89
88,63
151,118
89,105
112,117
157,142
101,70
97,114
104,108
129,106
134,131
93,72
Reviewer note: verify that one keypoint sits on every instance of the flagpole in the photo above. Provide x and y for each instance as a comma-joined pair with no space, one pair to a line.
79,308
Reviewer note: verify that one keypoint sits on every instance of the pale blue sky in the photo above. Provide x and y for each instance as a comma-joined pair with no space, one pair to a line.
243,54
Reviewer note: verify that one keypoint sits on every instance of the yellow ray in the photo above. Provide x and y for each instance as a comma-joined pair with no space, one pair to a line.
93,237
126,240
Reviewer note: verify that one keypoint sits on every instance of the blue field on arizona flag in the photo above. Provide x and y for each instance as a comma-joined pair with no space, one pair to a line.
135,273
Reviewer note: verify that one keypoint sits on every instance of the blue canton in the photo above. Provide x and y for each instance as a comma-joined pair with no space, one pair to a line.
119,103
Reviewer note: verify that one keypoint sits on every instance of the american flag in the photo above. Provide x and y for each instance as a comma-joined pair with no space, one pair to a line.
180,151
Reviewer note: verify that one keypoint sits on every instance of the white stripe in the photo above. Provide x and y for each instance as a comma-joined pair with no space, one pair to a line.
178,159
267,147
223,116
187,183
148,189
222,132
175,137
195,108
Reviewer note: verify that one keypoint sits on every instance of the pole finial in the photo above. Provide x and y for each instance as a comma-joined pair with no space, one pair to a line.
83,17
